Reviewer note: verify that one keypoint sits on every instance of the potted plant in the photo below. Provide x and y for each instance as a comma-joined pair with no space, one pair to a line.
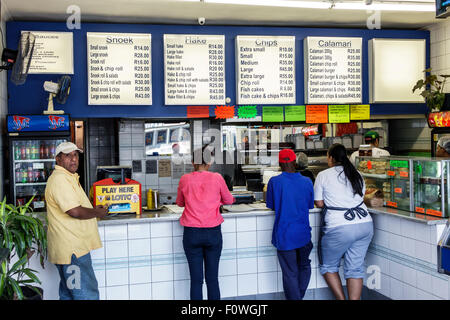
432,90
22,234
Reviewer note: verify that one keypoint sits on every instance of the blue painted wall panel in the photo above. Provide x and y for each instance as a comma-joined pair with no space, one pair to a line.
30,98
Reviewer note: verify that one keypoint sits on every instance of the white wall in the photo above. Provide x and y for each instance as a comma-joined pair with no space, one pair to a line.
440,48
3,96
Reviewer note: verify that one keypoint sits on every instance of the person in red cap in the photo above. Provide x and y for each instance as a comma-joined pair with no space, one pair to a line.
291,195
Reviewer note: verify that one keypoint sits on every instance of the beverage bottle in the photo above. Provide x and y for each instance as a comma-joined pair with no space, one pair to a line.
43,177
36,175
24,175
16,151
36,150
18,175
28,150
52,150
46,151
30,173
41,150
23,151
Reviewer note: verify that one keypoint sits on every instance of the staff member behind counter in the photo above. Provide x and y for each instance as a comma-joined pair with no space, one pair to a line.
373,138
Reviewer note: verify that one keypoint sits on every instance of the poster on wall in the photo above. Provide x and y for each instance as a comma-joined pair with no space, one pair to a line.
194,69
265,68
53,53
119,68
333,70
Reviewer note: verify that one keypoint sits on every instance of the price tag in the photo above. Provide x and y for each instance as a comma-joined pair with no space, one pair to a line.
390,173
198,112
434,212
339,113
38,165
273,114
224,112
398,190
404,174
294,113
360,112
391,204
420,210
369,165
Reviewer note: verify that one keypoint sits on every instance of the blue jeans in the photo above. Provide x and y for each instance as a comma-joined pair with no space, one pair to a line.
78,281
296,270
203,246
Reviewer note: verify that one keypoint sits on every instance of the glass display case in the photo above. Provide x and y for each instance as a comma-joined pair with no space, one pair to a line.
431,189
409,183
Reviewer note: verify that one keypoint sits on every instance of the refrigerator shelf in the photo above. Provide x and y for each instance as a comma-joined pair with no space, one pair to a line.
31,184
35,160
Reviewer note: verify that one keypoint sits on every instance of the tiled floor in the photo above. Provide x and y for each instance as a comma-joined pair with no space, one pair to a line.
312,294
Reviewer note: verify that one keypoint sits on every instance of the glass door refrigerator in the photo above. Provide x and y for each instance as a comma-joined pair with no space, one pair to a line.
32,140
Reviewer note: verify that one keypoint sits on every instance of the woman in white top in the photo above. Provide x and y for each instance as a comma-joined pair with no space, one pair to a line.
347,227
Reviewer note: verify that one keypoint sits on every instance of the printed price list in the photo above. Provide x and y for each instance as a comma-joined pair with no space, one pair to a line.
333,70
266,69
119,69
194,69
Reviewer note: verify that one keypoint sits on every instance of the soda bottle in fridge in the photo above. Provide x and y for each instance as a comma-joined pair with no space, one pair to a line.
35,149
28,150
18,175
42,150
24,174
46,151
17,151
52,150
30,173
23,151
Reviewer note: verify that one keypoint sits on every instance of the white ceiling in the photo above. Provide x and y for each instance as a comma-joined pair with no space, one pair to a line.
187,12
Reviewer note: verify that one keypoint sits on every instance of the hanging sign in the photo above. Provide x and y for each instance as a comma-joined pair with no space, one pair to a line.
333,70
265,69
53,52
119,68
316,114
339,113
198,112
360,112
295,113
194,69
272,114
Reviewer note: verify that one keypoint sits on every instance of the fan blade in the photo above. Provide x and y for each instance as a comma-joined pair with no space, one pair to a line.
23,61
64,89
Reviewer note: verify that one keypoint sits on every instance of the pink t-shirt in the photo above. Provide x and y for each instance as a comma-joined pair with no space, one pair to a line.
202,193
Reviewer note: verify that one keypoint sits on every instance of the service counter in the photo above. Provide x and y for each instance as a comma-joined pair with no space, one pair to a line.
143,257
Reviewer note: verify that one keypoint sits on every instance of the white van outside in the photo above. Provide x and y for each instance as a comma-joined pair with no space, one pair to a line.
167,139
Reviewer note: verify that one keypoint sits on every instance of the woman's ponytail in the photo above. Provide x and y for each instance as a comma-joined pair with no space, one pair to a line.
339,154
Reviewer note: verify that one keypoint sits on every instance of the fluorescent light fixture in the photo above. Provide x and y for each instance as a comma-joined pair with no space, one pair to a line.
425,6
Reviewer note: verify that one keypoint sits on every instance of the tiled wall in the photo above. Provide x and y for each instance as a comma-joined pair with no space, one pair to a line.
102,145
440,48
3,101
406,254
147,260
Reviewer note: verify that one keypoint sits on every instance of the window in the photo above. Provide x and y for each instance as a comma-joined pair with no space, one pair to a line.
162,136
149,138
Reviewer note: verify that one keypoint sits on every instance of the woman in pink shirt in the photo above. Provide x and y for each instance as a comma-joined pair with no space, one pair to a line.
201,193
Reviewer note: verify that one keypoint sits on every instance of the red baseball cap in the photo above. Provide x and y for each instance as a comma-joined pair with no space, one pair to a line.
286,155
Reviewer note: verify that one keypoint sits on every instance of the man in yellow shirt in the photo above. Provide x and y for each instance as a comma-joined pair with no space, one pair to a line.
72,227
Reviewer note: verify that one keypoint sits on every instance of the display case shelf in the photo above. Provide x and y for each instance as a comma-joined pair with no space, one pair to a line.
374,175
31,184
35,160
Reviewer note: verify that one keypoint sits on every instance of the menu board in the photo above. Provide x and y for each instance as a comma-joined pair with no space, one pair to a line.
194,69
333,70
265,69
119,68
53,52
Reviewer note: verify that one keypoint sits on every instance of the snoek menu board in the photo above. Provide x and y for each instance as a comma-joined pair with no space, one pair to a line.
119,68
265,69
194,69
333,68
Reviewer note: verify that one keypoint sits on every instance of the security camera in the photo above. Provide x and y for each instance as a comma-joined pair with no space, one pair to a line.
201,21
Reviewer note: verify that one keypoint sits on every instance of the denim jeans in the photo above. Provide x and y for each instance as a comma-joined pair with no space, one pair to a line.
296,270
78,281
203,246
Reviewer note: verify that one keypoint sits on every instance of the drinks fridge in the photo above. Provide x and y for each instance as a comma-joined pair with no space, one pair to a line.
32,140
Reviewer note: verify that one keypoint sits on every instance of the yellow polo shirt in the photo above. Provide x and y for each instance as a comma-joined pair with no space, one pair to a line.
67,235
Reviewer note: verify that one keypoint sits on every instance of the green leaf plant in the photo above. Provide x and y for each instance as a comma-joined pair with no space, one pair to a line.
432,90
22,234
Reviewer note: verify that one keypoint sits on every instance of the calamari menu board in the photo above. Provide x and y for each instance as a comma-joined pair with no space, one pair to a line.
119,68
265,69
333,70
194,69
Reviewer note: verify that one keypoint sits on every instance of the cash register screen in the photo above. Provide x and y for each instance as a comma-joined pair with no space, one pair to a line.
114,173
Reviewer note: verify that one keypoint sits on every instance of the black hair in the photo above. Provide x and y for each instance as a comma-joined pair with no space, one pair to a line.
339,154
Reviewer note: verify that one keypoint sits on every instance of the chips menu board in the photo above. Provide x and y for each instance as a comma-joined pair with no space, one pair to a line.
265,68
119,68
333,70
194,69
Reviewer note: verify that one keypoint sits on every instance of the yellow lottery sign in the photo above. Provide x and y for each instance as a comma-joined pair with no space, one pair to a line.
119,198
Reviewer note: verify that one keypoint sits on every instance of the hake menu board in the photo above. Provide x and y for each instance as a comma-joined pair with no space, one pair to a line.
194,69
265,69
119,68
333,68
